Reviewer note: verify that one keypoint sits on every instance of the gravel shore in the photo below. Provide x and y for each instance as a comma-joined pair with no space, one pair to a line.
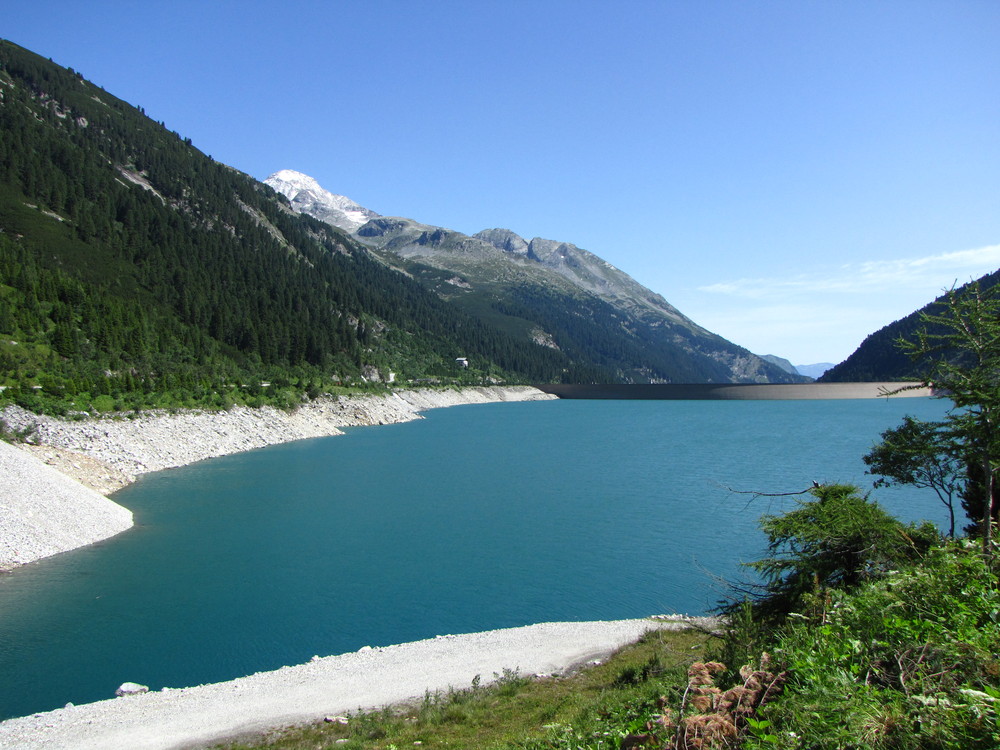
51,489
335,685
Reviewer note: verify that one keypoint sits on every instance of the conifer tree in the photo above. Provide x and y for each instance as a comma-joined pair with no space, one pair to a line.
960,344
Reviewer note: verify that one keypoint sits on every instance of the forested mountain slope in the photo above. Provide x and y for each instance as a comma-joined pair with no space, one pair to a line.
132,263
879,356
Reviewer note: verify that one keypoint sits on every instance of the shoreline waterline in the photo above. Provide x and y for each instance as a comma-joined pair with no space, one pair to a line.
103,455
370,678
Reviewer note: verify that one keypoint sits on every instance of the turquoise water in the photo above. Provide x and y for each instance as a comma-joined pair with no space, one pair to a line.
475,518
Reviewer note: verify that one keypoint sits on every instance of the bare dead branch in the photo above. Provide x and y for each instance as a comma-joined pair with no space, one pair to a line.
758,494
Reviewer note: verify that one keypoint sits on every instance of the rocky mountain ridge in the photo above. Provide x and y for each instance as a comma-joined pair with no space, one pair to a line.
408,238
542,289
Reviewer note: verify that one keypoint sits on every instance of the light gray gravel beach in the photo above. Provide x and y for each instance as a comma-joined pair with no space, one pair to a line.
335,685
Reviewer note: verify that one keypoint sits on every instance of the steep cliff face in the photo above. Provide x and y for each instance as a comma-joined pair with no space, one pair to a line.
549,292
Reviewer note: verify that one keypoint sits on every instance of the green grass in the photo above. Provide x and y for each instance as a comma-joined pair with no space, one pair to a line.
593,708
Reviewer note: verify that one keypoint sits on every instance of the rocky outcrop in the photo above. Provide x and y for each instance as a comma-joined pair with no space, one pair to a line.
131,688
504,239
107,453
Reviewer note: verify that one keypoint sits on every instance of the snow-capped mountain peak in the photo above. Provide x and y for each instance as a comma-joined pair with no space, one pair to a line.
308,196
290,182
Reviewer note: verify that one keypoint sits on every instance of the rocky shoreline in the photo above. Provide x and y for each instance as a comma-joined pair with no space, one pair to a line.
68,465
44,512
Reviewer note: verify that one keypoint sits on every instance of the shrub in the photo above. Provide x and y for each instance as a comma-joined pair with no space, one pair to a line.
103,404
907,661
837,540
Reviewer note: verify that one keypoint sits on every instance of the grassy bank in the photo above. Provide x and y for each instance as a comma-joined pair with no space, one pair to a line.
594,708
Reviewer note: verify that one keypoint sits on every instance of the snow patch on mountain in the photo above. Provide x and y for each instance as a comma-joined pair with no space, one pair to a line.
309,197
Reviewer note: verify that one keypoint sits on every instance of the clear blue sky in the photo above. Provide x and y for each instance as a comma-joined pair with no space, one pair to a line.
791,175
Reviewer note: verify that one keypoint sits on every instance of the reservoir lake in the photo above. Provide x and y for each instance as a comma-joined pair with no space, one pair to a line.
475,518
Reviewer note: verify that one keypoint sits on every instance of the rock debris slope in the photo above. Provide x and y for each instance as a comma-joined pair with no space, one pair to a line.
44,512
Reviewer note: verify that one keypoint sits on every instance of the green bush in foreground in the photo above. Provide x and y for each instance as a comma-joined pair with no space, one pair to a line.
887,636
837,540
907,661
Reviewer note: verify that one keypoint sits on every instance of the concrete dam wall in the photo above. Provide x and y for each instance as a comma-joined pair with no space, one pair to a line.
753,391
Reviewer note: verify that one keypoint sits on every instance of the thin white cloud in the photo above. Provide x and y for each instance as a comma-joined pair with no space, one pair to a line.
823,314
934,272
802,332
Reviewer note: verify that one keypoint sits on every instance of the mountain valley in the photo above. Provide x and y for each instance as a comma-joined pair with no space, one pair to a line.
138,272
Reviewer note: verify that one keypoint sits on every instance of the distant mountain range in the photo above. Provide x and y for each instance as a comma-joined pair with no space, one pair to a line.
811,371
549,292
815,370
